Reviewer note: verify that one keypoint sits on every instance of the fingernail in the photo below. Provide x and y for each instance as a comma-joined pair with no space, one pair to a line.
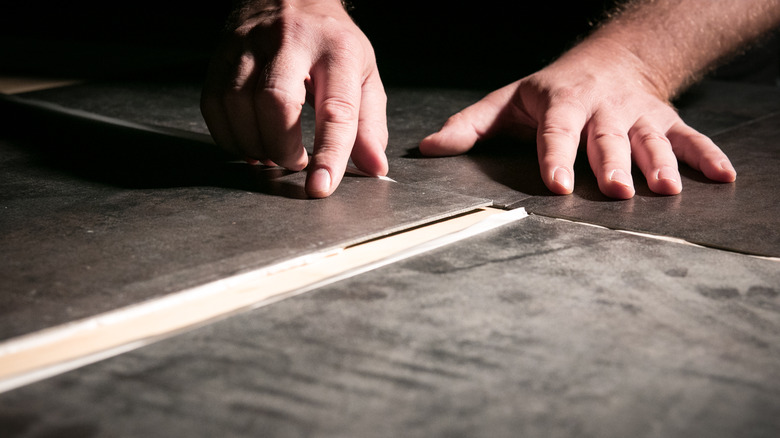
319,181
621,177
563,178
667,173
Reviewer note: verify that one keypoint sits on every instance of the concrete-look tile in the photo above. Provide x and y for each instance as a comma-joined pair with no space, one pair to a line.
541,328
412,114
714,106
95,218
741,216
503,171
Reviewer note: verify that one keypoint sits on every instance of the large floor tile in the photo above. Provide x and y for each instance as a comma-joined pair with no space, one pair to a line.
541,328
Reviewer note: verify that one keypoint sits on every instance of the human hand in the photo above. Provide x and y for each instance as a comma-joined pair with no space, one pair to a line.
280,55
598,93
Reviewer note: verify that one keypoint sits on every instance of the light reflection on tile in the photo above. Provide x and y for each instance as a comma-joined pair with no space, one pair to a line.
95,220
542,328
743,216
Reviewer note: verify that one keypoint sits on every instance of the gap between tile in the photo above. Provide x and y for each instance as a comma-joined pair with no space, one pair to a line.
660,237
55,350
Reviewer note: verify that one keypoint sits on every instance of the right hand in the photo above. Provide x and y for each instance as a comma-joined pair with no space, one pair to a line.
280,55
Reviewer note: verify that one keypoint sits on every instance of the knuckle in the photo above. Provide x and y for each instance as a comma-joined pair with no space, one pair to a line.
342,49
455,119
650,137
696,137
601,135
565,96
243,70
337,109
555,130
343,44
279,97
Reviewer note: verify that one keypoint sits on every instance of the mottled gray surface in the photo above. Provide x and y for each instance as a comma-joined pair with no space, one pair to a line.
542,328
545,328
97,219
412,114
164,102
503,171
713,107
507,175
743,216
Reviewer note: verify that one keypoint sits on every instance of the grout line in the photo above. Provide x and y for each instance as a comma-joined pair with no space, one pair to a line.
36,356
743,124
663,238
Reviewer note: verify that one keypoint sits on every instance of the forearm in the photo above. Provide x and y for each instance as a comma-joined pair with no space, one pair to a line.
676,41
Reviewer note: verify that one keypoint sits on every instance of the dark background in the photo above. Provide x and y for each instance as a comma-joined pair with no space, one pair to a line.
476,44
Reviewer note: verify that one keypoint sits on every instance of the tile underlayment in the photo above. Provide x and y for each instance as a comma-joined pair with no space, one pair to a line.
541,328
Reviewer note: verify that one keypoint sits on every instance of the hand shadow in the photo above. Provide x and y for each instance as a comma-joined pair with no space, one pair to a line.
127,157
514,164
511,162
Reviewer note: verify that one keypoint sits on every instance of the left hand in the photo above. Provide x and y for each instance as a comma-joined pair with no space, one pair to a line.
601,93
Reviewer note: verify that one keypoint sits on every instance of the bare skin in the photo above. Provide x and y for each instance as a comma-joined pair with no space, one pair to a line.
610,92
281,54
613,91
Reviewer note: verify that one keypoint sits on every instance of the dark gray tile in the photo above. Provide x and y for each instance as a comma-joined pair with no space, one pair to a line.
163,102
412,114
714,106
743,216
541,328
503,171
97,217
507,170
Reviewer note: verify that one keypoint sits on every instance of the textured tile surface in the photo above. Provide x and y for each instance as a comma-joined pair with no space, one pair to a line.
165,102
503,171
94,218
713,107
542,328
743,216
412,114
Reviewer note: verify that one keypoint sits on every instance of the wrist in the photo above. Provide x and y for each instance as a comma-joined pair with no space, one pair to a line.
626,58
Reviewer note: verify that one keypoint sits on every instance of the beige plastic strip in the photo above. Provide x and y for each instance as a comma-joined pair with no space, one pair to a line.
39,355
14,84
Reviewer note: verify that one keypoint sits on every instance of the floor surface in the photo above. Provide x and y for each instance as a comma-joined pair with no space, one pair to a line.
560,324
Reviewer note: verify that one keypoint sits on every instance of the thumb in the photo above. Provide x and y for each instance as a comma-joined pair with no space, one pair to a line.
465,128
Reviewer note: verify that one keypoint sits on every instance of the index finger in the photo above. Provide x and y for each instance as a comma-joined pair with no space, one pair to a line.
337,81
